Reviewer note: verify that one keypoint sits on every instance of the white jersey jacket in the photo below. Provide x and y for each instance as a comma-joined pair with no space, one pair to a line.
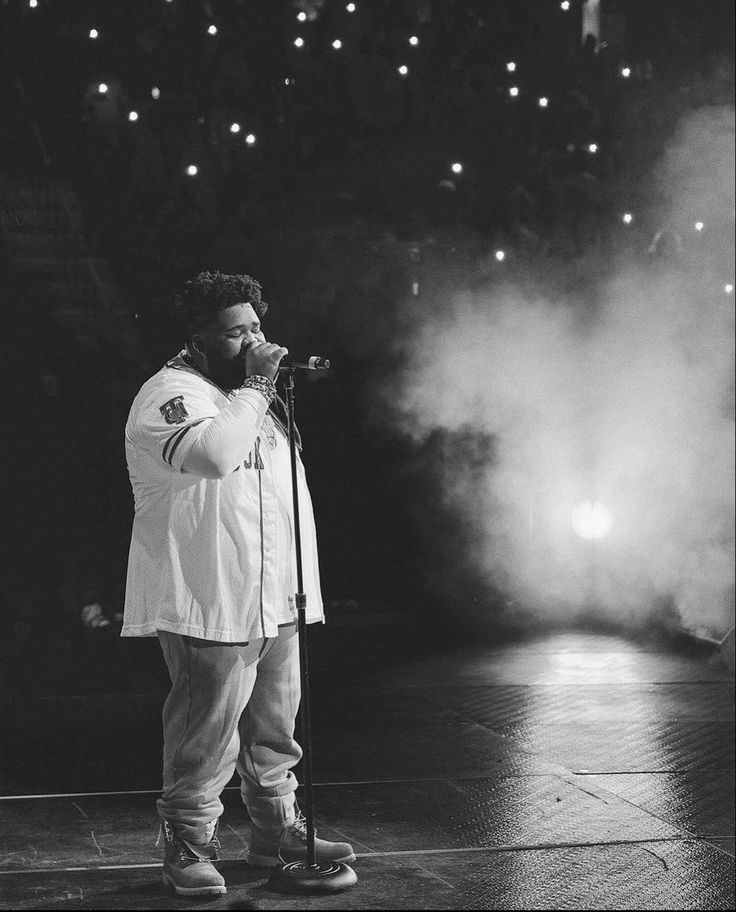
212,549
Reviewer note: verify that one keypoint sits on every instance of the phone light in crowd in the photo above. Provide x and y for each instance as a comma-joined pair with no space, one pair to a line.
543,102
456,168
413,40
250,139
403,70
511,66
102,88
565,5
351,7
212,30
593,148
302,16
133,116
514,91
235,128
93,33
627,218
728,288
592,520
699,226
192,170
337,44
299,42
500,255
626,72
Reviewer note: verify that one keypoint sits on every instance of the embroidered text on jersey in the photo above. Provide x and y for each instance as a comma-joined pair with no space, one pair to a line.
174,411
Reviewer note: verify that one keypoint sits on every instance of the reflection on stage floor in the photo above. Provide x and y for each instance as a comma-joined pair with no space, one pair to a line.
564,770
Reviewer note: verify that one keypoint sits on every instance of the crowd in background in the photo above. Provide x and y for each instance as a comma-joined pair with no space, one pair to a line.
346,190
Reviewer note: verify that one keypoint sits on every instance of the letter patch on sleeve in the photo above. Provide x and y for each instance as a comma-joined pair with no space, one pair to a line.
174,410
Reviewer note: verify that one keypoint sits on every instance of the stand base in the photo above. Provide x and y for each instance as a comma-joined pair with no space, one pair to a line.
300,877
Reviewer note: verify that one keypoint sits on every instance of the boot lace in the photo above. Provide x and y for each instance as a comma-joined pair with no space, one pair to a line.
299,826
184,848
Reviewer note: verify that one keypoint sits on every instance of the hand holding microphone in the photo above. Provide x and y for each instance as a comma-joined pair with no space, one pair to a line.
268,358
262,359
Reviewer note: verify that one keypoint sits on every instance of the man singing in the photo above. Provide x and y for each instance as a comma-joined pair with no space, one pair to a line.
212,574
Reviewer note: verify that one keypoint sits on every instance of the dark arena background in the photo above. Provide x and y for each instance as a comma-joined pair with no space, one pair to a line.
509,224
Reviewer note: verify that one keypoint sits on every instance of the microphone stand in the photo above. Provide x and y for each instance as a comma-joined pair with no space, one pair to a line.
298,876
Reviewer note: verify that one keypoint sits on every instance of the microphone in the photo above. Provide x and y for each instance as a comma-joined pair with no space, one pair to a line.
312,363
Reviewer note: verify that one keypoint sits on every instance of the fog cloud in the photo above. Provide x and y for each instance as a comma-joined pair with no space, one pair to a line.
621,393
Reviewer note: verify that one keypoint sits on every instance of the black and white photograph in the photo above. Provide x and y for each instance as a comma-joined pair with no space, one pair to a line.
369,414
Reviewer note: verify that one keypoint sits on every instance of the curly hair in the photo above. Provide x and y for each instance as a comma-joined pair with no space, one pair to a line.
199,301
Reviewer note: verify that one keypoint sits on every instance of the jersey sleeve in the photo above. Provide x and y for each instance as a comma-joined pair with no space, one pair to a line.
184,428
168,417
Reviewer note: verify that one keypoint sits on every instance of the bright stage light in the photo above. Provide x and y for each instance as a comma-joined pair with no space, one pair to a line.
543,102
699,226
33,3
565,5
593,148
302,17
351,7
456,168
413,41
403,70
627,218
133,116
500,255
93,33
250,139
626,72
299,42
514,91
192,170
102,88
511,66
728,288
212,30
155,93
235,128
592,520
337,44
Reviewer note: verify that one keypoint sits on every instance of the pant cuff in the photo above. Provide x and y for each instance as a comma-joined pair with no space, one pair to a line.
271,813
197,834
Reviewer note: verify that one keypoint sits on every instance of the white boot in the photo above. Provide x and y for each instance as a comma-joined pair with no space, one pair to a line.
279,835
188,866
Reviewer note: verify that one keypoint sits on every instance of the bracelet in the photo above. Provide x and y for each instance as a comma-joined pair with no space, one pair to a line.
262,385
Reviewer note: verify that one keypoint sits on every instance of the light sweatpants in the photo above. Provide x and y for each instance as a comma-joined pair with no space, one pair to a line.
231,706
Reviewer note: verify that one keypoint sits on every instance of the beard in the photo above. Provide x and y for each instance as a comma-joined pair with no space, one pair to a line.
227,373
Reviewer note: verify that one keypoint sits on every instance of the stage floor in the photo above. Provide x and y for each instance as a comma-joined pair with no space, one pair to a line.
565,770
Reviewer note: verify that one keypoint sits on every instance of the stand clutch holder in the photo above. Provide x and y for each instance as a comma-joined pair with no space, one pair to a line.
310,876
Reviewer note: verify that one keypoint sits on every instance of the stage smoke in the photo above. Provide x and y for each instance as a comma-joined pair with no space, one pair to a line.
612,383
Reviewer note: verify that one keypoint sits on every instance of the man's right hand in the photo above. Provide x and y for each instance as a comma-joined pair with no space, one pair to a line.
263,358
